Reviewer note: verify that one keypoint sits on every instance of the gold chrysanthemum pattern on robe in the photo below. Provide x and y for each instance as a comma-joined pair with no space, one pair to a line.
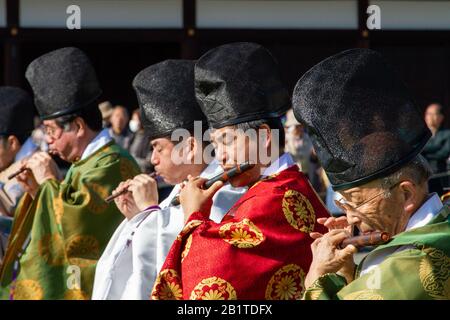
83,250
242,234
187,246
434,273
287,283
28,290
314,291
167,286
97,195
298,211
363,295
51,249
58,208
191,225
213,288
75,294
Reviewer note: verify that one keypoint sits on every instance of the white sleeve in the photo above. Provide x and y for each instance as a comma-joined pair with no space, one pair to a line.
151,243
103,276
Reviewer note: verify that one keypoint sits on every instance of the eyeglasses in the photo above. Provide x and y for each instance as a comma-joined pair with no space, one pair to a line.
354,207
56,133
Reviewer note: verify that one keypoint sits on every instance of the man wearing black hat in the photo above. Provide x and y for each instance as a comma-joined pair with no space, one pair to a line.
16,125
138,248
368,135
61,228
261,248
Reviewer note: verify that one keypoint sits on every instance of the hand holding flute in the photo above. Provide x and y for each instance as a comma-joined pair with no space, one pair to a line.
135,195
224,177
374,238
36,170
363,240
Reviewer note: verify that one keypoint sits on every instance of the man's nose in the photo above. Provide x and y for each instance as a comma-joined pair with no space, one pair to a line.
49,140
154,159
352,218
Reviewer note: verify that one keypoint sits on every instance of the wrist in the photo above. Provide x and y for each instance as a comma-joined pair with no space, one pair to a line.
313,274
144,205
46,178
152,207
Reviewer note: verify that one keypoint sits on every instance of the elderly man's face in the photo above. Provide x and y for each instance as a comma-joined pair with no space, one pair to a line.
369,208
62,141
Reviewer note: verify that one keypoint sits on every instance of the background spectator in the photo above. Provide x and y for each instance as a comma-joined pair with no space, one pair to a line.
106,109
140,145
437,150
119,127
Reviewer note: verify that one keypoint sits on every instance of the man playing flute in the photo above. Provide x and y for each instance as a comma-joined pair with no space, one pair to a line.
16,125
261,248
368,135
138,248
61,228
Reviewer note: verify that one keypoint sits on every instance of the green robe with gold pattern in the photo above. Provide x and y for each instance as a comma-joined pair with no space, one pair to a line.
420,272
57,238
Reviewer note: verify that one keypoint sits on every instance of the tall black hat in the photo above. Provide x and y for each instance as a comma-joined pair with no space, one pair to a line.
361,117
165,92
16,112
63,82
239,82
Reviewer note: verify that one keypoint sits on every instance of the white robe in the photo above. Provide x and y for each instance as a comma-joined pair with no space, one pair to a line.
128,272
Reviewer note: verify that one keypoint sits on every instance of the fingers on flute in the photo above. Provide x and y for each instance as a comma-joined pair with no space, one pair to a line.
350,250
198,181
322,220
333,223
121,187
315,235
214,188
336,223
337,236
346,253
22,177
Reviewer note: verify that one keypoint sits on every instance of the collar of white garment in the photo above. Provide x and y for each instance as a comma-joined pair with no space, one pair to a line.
99,141
282,163
425,213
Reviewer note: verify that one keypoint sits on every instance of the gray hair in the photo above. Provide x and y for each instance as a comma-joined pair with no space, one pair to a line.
418,171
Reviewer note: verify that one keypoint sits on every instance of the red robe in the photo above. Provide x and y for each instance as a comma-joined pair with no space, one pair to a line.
261,249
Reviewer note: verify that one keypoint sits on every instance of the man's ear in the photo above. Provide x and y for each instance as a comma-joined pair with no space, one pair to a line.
13,144
80,126
410,196
191,148
266,134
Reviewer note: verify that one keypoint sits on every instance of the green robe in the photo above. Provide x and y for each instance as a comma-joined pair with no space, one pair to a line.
421,272
70,225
